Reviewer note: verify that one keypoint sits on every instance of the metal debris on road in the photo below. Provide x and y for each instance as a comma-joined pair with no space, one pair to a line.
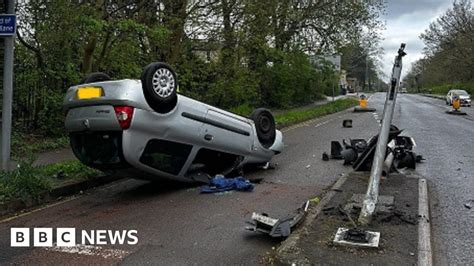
347,123
357,237
325,156
336,149
277,227
469,204
350,155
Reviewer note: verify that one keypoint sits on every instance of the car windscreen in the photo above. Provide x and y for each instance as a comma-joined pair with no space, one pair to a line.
98,149
460,92
166,156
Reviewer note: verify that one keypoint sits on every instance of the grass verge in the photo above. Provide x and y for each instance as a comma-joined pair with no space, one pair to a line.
29,183
291,117
444,89
24,144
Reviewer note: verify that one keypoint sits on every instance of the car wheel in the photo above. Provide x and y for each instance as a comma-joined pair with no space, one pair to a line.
159,84
265,126
94,77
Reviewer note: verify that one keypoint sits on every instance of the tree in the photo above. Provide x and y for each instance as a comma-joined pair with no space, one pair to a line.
449,52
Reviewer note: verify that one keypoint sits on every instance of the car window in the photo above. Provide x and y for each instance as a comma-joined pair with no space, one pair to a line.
213,162
98,148
460,92
166,156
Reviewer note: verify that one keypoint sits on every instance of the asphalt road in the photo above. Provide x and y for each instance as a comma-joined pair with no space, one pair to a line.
447,143
177,225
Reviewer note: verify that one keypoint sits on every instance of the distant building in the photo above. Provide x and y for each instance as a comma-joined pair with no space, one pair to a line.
206,50
335,60
353,84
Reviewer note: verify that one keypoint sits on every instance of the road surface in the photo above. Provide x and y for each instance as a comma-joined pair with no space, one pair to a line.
447,143
177,225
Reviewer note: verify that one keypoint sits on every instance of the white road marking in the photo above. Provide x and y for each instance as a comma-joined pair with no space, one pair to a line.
40,209
89,250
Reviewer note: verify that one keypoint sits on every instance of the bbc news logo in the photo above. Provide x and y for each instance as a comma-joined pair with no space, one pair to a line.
66,237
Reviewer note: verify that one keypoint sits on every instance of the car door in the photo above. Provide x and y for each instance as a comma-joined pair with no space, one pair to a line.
224,131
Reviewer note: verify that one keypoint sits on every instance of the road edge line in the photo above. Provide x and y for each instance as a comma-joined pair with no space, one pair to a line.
290,242
425,256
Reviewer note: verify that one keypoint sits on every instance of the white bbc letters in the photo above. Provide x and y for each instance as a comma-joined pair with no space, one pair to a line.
43,237
20,237
65,237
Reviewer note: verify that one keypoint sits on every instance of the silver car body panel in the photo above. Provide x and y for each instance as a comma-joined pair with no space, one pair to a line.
190,122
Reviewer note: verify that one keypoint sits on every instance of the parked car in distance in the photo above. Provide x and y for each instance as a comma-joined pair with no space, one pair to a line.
403,90
464,97
144,129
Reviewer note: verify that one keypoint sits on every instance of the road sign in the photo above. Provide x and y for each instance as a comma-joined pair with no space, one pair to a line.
7,24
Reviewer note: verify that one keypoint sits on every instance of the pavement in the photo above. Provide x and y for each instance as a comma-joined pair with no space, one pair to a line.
177,225
52,157
313,241
317,103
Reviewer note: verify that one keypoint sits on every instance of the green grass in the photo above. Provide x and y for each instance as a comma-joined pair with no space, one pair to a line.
29,183
295,116
443,89
24,144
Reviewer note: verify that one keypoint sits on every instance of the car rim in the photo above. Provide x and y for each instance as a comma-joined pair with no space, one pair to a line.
163,82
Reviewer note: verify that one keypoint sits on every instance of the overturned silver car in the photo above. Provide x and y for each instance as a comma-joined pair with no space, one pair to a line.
144,129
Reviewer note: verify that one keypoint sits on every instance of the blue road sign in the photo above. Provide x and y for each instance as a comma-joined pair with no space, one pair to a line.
7,24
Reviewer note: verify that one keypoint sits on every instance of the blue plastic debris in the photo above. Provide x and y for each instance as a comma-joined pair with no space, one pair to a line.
219,184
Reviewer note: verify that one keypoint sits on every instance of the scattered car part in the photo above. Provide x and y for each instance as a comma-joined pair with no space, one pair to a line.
419,158
277,227
403,152
357,237
364,162
387,164
359,144
469,204
406,159
349,156
347,123
325,156
346,145
336,149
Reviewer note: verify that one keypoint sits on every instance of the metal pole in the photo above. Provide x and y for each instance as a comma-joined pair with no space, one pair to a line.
7,94
372,194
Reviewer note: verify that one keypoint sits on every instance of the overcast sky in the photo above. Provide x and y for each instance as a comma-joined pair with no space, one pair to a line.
405,21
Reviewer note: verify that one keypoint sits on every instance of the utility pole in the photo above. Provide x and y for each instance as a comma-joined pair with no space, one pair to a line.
372,194
8,22
366,81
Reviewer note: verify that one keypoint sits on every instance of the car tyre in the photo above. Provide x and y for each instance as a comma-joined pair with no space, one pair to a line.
265,126
159,84
95,77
